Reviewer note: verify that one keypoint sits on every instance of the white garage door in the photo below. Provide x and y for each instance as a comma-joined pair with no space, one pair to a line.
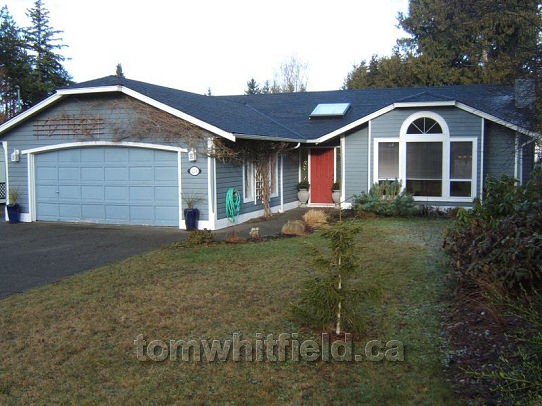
112,185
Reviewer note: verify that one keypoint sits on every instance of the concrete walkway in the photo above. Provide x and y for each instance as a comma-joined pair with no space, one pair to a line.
34,254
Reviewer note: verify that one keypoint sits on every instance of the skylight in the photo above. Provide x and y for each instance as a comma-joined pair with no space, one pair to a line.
330,110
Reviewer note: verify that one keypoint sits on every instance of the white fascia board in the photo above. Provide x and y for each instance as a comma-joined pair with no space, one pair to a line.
391,107
425,104
89,90
353,125
33,110
267,138
177,113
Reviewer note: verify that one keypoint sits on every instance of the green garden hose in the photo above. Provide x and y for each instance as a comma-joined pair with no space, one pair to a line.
233,204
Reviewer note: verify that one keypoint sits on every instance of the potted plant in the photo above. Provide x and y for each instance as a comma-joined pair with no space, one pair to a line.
303,192
14,210
191,213
336,192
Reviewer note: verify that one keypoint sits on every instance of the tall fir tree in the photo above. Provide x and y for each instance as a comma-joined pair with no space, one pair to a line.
15,70
252,87
459,42
43,43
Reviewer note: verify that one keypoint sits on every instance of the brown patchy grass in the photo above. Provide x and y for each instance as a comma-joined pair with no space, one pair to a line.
73,341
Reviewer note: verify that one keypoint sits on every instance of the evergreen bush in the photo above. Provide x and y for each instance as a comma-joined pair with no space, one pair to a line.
386,199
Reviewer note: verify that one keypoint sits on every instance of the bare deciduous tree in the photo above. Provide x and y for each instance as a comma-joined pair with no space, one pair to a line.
291,78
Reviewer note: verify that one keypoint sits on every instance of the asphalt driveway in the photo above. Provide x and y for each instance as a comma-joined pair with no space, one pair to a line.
34,254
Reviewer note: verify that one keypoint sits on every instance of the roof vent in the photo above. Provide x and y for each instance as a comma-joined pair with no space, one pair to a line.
330,110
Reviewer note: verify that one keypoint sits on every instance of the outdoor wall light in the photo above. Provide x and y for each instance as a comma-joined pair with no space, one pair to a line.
192,156
15,155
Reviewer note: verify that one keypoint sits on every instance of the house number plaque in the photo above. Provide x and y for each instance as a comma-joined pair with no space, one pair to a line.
194,170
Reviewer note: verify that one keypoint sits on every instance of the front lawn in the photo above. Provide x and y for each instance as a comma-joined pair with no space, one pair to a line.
73,341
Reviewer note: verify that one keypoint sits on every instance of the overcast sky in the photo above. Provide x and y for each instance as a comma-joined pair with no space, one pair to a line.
219,44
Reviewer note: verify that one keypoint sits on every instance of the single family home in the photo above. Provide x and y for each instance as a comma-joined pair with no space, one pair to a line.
103,151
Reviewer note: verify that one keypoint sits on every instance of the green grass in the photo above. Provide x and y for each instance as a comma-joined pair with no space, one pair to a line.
73,341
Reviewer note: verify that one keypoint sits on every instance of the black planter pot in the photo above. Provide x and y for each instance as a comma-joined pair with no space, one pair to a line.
14,213
191,217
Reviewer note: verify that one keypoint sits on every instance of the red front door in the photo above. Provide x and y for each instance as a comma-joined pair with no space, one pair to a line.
322,168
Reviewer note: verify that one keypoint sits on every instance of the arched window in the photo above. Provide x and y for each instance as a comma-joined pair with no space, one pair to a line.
424,125
424,141
431,163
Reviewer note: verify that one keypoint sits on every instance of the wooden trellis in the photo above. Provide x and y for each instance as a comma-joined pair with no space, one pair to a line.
69,125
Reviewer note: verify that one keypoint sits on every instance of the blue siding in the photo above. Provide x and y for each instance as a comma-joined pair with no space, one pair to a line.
356,159
291,176
231,176
117,114
499,151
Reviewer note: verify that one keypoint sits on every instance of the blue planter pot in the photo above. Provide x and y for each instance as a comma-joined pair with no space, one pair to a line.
14,213
191,217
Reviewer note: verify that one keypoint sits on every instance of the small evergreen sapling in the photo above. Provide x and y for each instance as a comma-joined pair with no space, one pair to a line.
327,298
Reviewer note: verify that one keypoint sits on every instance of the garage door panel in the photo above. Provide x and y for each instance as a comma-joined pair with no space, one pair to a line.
91,211
166,194
70,211
69,192
51,157
92,193
145,174
120,174
72,155
47,192
117,155
164,213
138,155
117,193
91,154
49,211
119,214
143,214
142,194
116,185
92,174
68,174
47,174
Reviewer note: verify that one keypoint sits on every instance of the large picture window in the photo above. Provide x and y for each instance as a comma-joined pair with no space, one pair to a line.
424,168
431,163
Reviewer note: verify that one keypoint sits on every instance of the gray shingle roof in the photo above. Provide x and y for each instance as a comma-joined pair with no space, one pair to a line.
286,115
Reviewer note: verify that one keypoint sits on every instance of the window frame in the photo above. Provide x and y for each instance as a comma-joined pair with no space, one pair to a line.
250,168
446,141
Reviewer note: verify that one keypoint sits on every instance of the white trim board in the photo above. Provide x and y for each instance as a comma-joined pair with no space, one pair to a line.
86,144
31,168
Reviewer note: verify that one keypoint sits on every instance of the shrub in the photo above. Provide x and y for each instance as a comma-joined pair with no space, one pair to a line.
499,241
386,199
295,227
315,218
304,184
518,376
200,237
